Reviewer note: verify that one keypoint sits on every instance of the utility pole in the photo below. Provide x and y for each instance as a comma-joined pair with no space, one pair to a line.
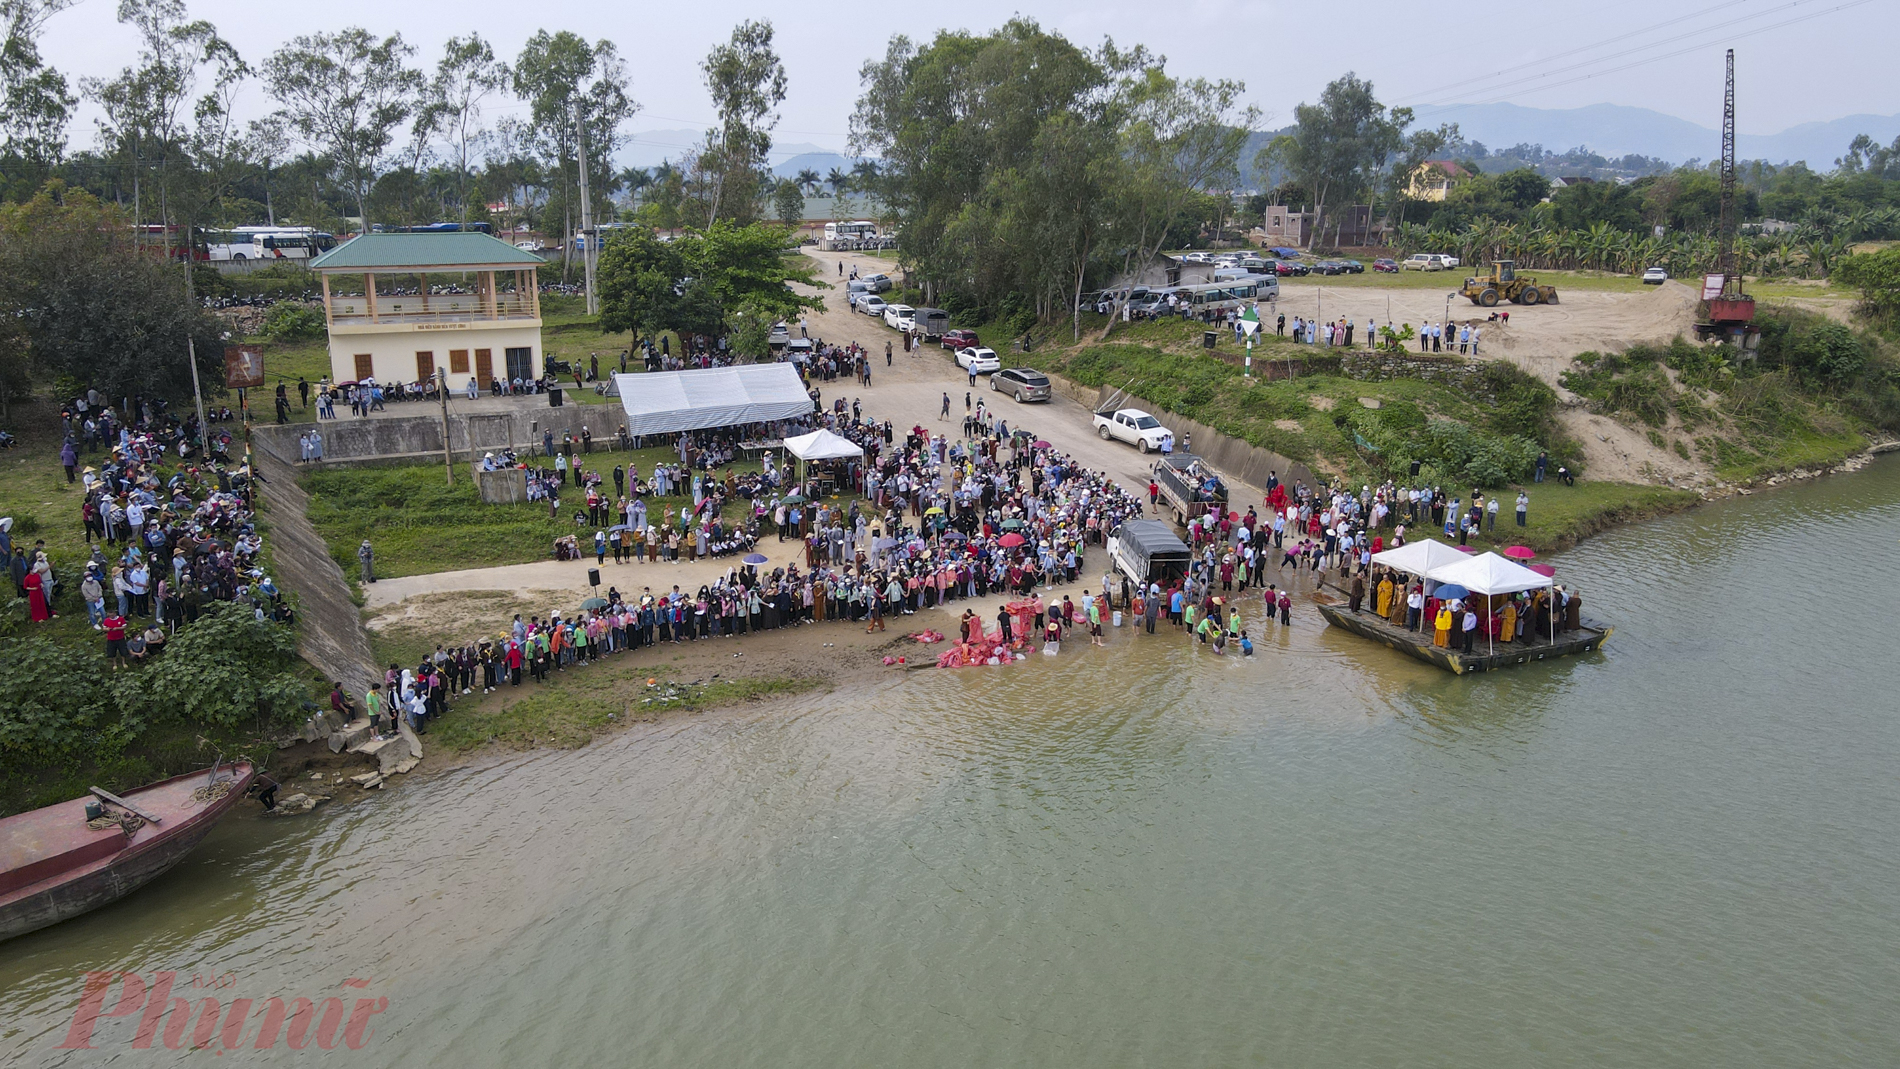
191,354
587,218
442,388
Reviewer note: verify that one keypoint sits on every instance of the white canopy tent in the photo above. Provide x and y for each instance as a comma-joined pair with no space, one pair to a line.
1420,558
1488,573
663,402
823,445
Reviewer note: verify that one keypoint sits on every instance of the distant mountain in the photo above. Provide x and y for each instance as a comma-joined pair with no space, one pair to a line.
649,148
819,161
1618,130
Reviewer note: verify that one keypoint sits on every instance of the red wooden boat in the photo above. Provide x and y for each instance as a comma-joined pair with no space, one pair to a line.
55,864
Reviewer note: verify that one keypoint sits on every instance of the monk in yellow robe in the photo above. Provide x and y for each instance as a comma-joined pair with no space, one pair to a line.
1385,597
1441,627
1509,628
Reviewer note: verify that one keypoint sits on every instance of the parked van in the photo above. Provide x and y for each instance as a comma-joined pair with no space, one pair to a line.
1231,274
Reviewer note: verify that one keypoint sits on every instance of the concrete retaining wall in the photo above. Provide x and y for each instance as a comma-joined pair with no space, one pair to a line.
330,631
1466,376
418,438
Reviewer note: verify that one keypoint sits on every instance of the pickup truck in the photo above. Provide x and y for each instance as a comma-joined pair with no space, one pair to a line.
1189,487
1133,426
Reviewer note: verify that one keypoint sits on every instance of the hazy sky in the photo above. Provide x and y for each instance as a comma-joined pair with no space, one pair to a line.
1415,53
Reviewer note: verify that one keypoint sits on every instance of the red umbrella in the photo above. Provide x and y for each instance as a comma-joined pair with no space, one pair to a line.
1520,553
1467,549
1010,540
1544,570
1039,444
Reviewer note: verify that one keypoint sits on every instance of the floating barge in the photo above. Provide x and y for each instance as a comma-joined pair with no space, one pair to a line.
1584,639
59,862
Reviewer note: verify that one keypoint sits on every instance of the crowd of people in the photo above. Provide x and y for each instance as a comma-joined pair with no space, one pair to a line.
168,535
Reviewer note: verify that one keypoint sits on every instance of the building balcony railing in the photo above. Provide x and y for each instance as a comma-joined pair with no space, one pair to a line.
437,308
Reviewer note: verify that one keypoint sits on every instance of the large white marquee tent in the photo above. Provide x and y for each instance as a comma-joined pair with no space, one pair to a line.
665,402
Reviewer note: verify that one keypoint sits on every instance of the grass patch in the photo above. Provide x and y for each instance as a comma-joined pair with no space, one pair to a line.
418,524
580,703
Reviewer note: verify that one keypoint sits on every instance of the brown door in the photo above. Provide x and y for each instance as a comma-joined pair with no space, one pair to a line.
458,361
484,367
365,366
425,366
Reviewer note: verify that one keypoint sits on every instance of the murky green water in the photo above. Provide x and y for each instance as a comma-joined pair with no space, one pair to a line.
1684,852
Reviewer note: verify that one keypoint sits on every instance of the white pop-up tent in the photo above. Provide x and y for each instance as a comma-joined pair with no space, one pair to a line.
1419,558
823,445
663,402
1488,573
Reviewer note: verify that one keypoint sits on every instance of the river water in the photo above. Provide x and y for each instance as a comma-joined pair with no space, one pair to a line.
1684,851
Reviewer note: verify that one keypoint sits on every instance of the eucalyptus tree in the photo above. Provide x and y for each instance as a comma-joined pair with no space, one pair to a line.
577,94
747,81
345,94
467,75
37,101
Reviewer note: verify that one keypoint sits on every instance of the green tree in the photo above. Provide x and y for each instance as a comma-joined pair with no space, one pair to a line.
577,94
747,82
37,100
1178,139
345,94
1339,147
694,284
956,122
640,279
1877,276
466,75
789,203
90,305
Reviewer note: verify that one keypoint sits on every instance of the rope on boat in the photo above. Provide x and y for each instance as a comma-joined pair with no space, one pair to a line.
212,792
126,822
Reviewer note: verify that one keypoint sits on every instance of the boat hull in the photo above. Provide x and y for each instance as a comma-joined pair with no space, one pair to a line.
1586,639
66,895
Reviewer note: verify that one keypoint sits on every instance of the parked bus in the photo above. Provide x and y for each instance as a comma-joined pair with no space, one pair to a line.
265,243
438,228
859,231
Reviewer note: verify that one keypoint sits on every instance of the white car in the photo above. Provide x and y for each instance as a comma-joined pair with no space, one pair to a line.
1429,261
871,304
900,316
1655,276
978,360
1133,426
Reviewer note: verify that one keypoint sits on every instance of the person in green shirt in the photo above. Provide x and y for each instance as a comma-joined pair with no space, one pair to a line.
1205,628
373,704
1095,622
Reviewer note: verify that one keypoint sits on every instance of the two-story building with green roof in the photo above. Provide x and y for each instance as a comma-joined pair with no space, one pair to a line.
483,321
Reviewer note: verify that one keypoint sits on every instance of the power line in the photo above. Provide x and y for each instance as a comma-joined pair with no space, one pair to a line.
1474,86
1667,55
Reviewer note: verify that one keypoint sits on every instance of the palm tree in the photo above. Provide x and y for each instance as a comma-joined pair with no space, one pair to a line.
807,181
633,180
838,181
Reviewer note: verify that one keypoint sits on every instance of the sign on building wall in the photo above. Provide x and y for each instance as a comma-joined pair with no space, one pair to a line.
243,367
